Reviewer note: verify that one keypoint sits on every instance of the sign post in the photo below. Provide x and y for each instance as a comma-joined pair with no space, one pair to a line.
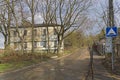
110,33
108,46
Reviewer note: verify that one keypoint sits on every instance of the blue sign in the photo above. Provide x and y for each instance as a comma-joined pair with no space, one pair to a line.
111,31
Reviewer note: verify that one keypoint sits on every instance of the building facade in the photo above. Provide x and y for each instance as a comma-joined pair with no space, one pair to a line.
41,33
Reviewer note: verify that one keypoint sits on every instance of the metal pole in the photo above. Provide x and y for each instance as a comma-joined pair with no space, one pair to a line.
112,57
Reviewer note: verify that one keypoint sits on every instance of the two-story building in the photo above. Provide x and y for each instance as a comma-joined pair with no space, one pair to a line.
41,34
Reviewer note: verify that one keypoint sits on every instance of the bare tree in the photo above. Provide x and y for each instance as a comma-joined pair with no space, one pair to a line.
32,4
5,21
69,14
13,14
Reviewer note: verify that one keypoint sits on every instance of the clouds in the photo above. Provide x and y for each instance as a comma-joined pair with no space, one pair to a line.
38,18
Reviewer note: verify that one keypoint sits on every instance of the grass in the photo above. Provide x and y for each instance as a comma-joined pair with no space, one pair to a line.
5,67
17,62
16,65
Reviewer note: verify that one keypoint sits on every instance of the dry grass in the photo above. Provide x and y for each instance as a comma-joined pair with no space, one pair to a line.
15,60
1,51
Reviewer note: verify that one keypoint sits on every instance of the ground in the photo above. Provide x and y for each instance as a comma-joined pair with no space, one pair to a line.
70,67
100,72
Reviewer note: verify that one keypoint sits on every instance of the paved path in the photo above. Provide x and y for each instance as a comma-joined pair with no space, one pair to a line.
72,67
100,73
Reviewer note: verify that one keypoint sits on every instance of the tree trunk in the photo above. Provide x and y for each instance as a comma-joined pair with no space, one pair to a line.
9,22
32,12
5,43
59,43
48,41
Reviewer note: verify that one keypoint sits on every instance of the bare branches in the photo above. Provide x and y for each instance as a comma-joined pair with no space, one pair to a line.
67,13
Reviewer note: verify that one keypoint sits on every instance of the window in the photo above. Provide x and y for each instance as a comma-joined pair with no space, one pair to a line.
55,44
55,32
43,38
14,33
25,32
44,31
35,32
25,45
35,44
43,43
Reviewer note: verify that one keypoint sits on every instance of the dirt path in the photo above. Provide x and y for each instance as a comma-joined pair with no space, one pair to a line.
72,67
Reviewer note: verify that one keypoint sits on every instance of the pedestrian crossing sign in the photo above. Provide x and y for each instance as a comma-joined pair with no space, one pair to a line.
111,31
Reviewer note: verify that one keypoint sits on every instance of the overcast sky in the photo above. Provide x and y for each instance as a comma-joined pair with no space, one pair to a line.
97,10
92,14
1,41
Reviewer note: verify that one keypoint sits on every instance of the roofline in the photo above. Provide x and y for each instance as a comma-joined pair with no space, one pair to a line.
38,25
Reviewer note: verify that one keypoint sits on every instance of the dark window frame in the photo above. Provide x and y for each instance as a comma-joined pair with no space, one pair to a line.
35,44
25,32
55,43
14,33
55,33
44,32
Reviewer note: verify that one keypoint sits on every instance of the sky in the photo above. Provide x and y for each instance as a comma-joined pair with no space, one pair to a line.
93,14
38,19
1,41
96,12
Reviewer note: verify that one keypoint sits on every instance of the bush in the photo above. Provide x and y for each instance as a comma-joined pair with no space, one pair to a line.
8,51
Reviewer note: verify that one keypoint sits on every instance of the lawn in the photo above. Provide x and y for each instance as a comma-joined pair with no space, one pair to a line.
13,62
16,65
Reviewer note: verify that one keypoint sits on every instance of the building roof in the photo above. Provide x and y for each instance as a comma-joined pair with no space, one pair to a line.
38,25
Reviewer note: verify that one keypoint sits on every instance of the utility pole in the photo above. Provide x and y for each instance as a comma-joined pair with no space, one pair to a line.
111,24
111,13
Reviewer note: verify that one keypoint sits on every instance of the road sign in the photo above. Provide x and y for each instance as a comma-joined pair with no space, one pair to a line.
108,45
111,31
